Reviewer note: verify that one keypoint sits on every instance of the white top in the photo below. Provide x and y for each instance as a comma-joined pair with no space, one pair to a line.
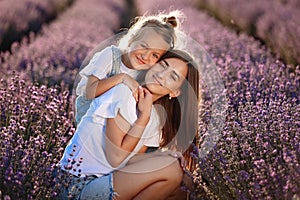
100,66
88,141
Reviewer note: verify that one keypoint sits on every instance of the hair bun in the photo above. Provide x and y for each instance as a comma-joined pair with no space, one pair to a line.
134,20
171,20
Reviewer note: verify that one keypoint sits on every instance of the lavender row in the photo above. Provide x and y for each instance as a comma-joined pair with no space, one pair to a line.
257,155
56,53
274,22
18,18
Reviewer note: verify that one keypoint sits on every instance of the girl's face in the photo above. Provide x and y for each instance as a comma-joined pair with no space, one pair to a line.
146,50
166,77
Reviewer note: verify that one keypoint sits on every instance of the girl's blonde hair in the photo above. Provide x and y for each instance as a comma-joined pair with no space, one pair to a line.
164,24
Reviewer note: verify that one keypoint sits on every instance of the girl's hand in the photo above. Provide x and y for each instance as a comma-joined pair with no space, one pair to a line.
144,101
132,84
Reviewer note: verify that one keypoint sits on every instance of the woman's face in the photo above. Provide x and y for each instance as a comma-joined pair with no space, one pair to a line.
166,77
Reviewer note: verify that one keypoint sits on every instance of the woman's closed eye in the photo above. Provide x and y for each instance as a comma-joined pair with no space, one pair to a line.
174,77
163,64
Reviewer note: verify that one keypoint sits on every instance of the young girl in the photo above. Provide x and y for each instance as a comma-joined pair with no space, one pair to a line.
146,41
116,128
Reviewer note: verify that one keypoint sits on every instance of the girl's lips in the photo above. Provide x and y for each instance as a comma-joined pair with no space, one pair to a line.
140,61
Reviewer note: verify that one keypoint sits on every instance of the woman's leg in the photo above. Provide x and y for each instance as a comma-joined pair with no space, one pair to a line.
152,178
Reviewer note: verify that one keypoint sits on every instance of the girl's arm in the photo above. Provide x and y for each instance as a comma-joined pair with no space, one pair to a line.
121,138
96,87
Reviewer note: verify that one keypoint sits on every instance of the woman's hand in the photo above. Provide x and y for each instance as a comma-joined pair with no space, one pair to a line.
132,84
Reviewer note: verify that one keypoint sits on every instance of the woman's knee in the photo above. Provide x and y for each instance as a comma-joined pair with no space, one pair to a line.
175,172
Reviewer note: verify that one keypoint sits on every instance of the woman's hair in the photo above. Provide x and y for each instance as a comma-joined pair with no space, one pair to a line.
181,120
164,24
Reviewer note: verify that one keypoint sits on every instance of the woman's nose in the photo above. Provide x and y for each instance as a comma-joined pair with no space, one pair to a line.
161,74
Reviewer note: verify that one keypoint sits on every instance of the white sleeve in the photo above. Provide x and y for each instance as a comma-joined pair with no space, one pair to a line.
100,65
152,131
153,141
117,99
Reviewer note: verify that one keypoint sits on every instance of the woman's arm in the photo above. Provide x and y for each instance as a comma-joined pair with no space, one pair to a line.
96,87
121,138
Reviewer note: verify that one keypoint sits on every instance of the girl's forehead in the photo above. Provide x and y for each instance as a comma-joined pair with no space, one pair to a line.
153,39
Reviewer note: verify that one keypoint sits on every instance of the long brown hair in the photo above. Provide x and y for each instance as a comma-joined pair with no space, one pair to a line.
181,125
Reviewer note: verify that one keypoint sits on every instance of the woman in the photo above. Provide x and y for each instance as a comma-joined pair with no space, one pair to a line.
100,154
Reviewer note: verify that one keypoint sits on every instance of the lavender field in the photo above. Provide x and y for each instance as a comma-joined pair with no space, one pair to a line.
17,18
257,155
275,23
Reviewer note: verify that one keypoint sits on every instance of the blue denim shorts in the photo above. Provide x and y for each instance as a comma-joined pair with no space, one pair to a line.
90,188
81,105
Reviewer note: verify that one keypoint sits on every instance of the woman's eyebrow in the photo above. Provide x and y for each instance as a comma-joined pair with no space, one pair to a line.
166,62
174,72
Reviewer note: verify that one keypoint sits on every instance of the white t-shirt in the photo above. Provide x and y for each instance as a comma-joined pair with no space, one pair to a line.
88,141
100,66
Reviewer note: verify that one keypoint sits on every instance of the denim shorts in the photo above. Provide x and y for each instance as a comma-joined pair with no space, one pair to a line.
81,105
90,188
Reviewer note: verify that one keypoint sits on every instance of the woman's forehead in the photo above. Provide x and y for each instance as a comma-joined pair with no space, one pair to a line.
177,65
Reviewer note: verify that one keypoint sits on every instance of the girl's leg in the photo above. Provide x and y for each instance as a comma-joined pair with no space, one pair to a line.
152,178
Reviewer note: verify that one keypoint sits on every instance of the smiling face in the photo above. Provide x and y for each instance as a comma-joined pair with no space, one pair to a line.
145,50
166,77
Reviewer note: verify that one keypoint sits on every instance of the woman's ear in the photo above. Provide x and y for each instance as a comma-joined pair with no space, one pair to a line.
174,94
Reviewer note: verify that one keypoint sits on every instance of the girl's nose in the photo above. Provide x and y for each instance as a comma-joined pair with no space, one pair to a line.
145,55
